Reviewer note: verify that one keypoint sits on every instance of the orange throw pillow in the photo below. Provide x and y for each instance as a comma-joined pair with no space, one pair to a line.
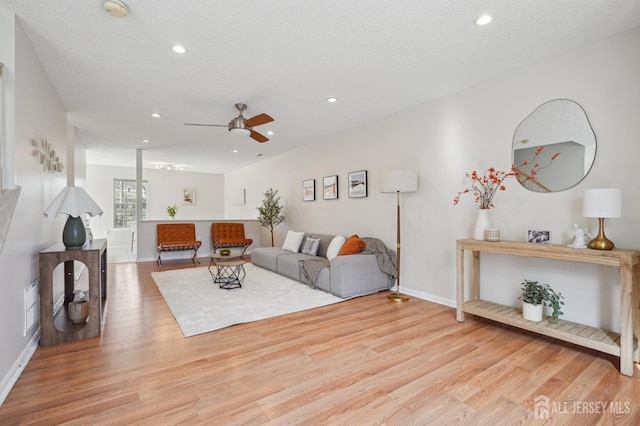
353,245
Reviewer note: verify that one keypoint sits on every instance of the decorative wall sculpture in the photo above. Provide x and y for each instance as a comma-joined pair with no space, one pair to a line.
46,154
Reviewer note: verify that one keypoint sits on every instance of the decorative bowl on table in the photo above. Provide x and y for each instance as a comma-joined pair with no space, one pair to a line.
225,252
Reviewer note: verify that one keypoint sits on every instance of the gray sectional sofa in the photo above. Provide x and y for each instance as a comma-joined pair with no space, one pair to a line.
345,276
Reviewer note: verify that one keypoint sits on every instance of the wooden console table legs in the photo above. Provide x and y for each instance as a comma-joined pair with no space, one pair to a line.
624,344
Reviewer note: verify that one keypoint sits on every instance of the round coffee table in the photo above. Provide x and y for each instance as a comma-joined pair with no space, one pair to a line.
223,258
229,270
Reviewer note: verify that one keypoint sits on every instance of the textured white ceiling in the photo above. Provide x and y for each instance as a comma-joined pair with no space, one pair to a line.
283,58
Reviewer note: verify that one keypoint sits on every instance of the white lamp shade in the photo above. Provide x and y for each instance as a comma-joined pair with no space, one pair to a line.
399,181
603,202
74,201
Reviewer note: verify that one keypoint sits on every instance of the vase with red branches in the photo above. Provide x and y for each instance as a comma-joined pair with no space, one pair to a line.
485,187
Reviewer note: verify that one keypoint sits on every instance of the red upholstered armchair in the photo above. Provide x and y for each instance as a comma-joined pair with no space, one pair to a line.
227,235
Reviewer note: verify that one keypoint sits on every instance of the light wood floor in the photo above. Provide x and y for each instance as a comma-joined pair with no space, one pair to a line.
360,362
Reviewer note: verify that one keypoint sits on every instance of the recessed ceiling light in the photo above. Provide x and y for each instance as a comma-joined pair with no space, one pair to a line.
235,151
332,99
258,155
270,132
483,20
155,115
178,48
146,140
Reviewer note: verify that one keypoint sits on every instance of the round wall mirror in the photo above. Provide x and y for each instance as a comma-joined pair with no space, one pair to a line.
554,147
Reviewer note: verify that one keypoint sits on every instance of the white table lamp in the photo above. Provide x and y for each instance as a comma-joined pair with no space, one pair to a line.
73,201
602,203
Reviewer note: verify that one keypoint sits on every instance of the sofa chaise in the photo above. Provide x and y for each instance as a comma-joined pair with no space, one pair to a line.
347,275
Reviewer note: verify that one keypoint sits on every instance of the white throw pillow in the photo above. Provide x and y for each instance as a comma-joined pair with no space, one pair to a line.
293,241
335,246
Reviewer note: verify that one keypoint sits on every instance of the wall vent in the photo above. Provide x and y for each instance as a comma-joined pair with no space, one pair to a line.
31,306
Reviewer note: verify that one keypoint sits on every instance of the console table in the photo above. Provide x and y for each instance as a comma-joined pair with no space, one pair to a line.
623,344
60,328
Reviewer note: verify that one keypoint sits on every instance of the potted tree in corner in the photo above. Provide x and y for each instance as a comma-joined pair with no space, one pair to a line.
270,211
535,297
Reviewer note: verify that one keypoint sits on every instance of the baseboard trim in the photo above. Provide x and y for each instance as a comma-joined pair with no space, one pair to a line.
428,297
18,367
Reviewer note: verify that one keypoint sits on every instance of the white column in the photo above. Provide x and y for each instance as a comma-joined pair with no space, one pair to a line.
7,98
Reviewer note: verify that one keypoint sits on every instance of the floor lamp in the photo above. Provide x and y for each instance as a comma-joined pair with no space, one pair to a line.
399,181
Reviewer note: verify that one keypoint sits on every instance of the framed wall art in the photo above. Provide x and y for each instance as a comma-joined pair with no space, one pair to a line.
330,187
188,196
358,184
309,190
239,196
539,237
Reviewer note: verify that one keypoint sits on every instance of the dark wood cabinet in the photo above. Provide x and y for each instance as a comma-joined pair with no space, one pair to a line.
59,328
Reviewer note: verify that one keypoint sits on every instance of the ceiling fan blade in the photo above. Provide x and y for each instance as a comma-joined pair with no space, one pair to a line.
258,120
258,137
208,125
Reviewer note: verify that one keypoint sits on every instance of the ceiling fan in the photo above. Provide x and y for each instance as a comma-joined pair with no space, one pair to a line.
243,126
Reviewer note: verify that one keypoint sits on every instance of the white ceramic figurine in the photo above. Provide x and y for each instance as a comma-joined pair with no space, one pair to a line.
579,235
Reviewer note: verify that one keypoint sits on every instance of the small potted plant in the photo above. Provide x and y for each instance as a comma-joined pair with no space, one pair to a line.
535,296
172,210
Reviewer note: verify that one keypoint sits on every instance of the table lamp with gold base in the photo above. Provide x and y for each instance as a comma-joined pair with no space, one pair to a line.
602,203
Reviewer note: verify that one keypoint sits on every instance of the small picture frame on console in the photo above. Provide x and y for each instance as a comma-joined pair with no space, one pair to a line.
539,237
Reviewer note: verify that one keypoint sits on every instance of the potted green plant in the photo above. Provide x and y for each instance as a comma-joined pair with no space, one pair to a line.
270,211
535,296
172,210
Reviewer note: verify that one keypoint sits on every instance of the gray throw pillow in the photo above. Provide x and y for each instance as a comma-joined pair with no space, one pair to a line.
311,246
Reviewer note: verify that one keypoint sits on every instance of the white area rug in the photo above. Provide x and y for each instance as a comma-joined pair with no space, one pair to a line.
200,306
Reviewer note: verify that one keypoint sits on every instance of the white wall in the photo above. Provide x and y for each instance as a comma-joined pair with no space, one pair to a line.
38,112
473,129
165,188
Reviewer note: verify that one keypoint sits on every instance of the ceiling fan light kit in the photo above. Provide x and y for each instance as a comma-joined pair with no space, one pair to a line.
237,131
238,126
241,126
